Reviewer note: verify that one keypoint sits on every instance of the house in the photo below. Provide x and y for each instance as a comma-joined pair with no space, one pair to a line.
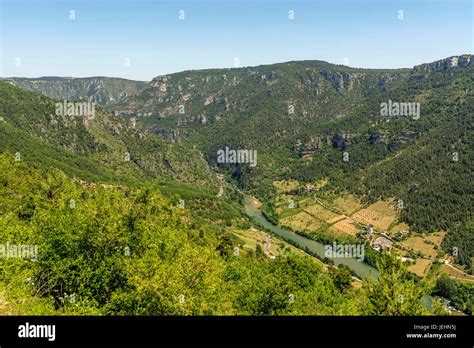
401,234
381,243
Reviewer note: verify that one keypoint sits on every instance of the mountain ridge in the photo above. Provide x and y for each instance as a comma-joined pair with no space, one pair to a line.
462,57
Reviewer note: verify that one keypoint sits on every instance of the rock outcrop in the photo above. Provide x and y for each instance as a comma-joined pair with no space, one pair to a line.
445,64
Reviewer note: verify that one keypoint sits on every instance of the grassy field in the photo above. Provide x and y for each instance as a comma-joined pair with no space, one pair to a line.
287,205
457,273
278,247
284,186
428,245
5,308
347,203
302,221
399,227
420,267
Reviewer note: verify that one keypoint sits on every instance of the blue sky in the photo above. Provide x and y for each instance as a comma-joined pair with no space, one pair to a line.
106,34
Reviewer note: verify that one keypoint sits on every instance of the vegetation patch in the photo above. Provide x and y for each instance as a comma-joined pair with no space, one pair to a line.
347,203
302,221
428,245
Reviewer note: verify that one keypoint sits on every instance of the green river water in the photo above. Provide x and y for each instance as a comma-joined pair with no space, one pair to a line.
362,269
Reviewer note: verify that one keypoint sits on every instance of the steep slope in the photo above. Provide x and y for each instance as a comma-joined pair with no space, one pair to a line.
121,251
92,147
311,121
177,104
100,90
433,173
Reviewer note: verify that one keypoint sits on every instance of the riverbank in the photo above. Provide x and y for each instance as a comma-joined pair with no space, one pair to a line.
252,209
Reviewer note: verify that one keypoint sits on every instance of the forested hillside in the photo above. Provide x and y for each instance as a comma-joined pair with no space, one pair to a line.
132,212
121,251
99,147
303,117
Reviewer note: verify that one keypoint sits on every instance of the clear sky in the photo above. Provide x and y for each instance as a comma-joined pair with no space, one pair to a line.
142,39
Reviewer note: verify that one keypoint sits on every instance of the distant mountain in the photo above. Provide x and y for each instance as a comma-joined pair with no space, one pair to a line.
176,104
100,90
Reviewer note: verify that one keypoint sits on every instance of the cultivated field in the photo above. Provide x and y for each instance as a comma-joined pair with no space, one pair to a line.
321,212
380,215
336,219
302,221
345,226
457,273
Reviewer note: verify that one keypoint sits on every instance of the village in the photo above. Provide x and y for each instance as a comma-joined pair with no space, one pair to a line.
345,218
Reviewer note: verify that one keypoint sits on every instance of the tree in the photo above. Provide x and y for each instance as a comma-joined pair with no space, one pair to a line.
259,251
225,246
446,287
342,277
392,293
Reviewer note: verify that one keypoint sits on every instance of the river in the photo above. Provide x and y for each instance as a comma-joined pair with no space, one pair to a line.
360,268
